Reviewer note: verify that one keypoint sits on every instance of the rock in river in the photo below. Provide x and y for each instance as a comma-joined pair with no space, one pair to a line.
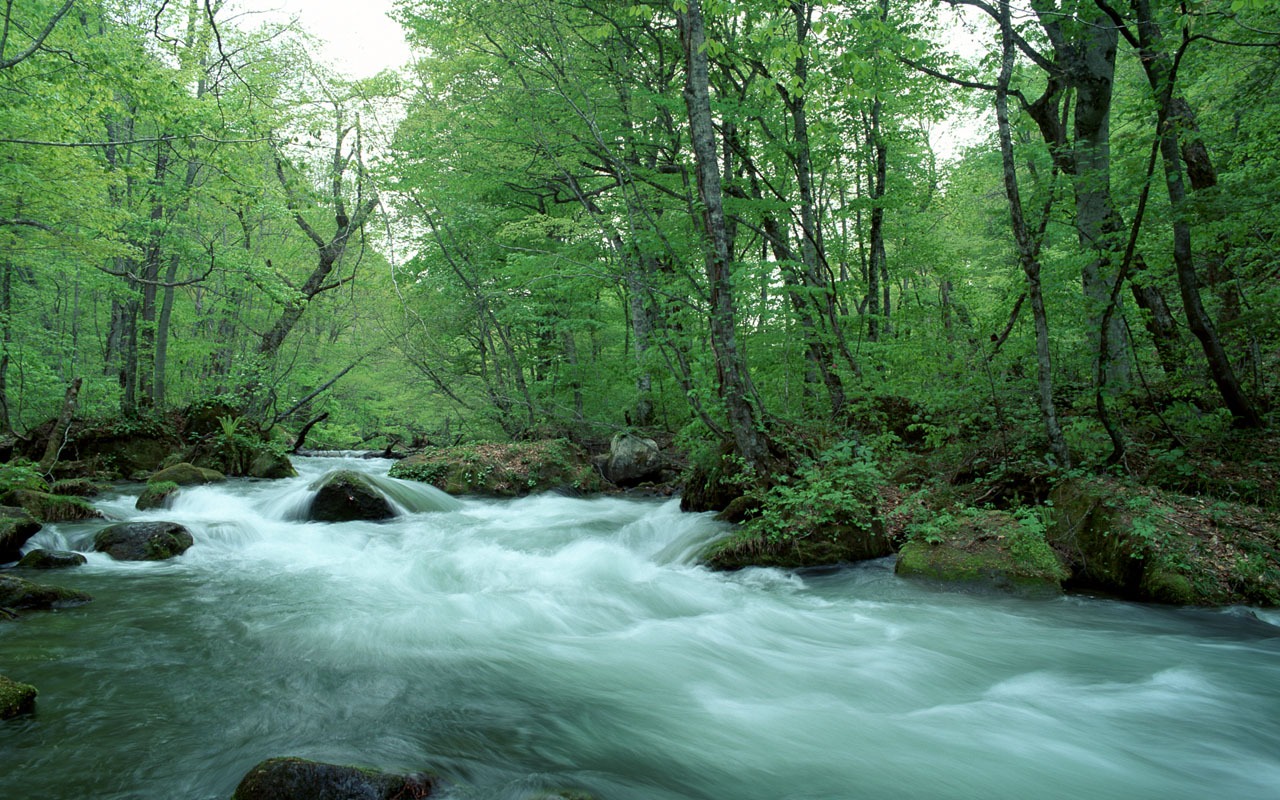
143,541
345,495
299,779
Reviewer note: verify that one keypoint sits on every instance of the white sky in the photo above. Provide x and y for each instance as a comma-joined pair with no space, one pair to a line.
358,37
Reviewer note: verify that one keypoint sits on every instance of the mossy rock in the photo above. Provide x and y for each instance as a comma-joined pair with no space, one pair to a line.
300,779
143,541
20,594
345,495
271,465
17,525
986,547
837,544
51,507
51,559
76,487
184,474
16,698
566,794
498,469
1145,544
156,495
713,483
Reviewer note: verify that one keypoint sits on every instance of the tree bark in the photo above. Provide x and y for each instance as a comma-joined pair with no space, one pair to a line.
58,436
745,420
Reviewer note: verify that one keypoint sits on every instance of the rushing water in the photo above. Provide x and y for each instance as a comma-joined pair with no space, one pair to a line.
521,645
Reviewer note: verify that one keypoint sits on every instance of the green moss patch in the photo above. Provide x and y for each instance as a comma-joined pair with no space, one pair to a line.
996,548
16,698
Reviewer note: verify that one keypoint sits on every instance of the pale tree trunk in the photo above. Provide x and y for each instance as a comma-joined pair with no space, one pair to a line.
746,421
1028,254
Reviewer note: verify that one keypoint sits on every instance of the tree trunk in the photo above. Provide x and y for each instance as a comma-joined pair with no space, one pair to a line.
745,420
1161,75
58,436
1027,249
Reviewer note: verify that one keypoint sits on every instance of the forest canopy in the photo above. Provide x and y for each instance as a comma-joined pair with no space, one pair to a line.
753,223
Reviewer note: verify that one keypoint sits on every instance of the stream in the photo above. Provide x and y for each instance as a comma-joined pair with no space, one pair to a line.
516,646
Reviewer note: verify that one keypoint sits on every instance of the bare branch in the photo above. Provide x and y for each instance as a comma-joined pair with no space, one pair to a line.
5,63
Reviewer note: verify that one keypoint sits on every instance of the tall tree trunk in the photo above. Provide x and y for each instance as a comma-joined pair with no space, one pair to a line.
1161,75
6,340
745,420
1028,255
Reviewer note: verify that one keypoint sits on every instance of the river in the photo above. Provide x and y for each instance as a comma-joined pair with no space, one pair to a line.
521,645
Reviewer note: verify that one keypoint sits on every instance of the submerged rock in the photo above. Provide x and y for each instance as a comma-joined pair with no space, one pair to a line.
346,495
51,559
143,541
299,779
184,474
20,594
16,527
16,698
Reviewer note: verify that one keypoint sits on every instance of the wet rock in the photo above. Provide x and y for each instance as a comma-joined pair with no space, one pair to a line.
346,495
16,527
838,544
51,559
143,541
632,460
16,698
271,465
156,495
20,594
184,474
76,487
503,469
299,779
51,507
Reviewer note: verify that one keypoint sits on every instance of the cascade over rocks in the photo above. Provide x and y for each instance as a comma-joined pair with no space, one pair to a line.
143,541
16,527
20,594
346,495
300,779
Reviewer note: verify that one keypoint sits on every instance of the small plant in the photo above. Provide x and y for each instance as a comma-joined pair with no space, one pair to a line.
230,426
21,475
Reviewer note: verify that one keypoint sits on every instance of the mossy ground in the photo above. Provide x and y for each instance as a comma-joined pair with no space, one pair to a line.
984,546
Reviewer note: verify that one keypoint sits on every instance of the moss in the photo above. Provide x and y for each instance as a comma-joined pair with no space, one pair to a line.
16,698
184,474
52,507
21,594
300,779
836,545
503,469
985,546
76,487
158,494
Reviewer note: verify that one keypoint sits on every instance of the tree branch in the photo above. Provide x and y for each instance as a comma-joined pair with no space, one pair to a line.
5,63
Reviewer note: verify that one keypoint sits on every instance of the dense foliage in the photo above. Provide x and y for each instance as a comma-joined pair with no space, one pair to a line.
754,223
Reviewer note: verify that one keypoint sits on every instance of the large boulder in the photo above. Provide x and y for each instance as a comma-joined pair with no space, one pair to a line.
20,594
143,541
184,474
16,527
51,559
632,460
345,495
988,547
300,779
16,698
503,469
839,544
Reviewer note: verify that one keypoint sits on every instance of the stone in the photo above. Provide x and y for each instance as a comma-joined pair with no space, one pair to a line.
156,495
986,547
300,779
345,495
16,527
20,594
632,460
51,559
51,507
16,698
184,474
271,465
143,541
